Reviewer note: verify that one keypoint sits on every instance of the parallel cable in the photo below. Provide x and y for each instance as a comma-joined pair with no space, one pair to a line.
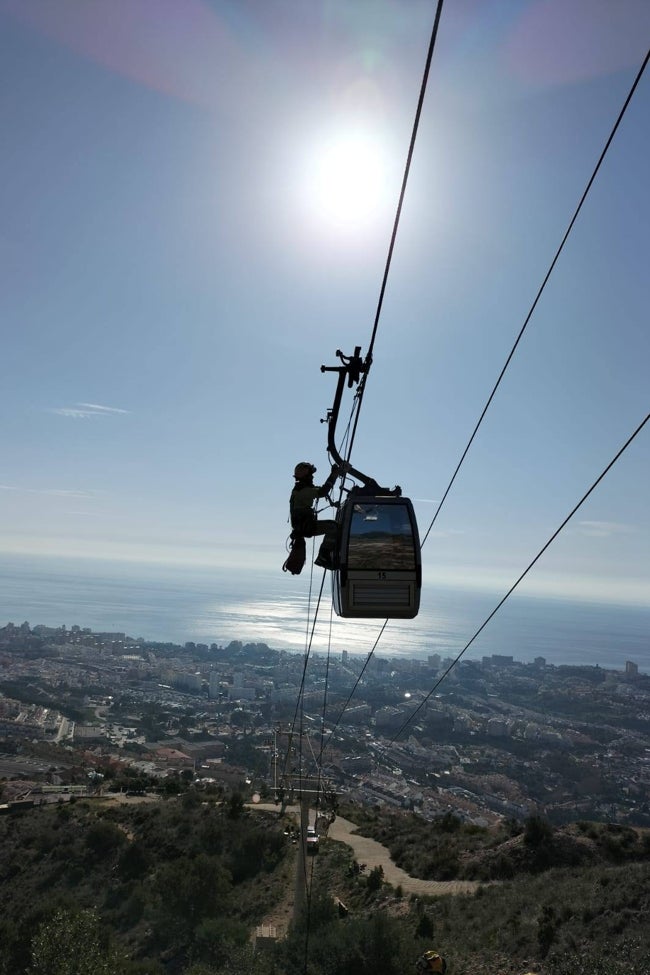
360,393
522,576
527,319
324,714
540,291
358,398
357,682
301,689
292,730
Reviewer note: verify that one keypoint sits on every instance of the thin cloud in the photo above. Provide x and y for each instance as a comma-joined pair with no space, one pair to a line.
81,411
603,529
52,492
102,409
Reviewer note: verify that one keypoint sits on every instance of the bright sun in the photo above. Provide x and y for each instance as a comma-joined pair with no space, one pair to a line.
346,182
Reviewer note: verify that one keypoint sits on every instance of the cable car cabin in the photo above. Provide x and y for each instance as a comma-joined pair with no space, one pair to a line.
380,571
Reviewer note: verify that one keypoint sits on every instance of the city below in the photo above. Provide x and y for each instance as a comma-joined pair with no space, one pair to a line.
84,713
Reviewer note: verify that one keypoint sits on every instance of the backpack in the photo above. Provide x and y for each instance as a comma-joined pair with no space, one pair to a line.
297,556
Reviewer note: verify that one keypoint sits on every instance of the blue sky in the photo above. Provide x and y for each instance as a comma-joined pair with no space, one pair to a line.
175,267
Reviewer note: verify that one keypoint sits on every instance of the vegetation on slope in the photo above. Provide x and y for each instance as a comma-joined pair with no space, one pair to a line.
173,881
177,887
447,849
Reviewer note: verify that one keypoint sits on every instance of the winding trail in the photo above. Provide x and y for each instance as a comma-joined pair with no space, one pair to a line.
373,854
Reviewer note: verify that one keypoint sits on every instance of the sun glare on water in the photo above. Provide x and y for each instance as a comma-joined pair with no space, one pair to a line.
346,184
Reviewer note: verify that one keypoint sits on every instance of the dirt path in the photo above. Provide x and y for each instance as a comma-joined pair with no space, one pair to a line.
373,854
278,920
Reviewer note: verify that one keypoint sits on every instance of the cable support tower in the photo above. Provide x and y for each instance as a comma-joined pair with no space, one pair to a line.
522,576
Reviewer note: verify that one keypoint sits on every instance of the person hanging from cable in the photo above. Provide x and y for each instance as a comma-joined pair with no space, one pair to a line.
304,522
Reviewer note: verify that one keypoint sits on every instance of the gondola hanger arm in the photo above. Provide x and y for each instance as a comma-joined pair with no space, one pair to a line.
354,369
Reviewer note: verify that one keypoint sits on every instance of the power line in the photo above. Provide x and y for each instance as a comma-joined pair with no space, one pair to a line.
523,575
540,291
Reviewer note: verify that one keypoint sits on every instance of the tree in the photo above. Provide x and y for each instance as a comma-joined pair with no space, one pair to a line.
73,944
375,878
538,832
190,890
216,939
424,927
235,805
104,837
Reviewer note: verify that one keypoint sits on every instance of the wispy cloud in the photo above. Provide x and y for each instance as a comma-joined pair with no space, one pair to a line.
102,409
81,411
603,529
52,492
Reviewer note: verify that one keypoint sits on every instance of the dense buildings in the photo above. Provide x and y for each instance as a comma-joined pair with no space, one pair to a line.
497,738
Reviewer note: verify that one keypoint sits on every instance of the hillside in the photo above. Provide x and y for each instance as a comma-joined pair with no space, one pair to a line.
447,849
178,886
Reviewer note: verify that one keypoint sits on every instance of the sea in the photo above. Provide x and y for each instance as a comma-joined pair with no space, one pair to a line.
177,604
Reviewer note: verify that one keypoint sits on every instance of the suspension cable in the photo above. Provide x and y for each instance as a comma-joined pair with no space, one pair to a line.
358,397
301,689
393,237
522,576
356,684
539,293
523,328
324,713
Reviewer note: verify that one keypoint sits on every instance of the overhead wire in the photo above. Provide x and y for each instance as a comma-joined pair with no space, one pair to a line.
356,684
398,214
359,394
358,397
531,311
361,390
522,576
539,292
325,690
301,689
